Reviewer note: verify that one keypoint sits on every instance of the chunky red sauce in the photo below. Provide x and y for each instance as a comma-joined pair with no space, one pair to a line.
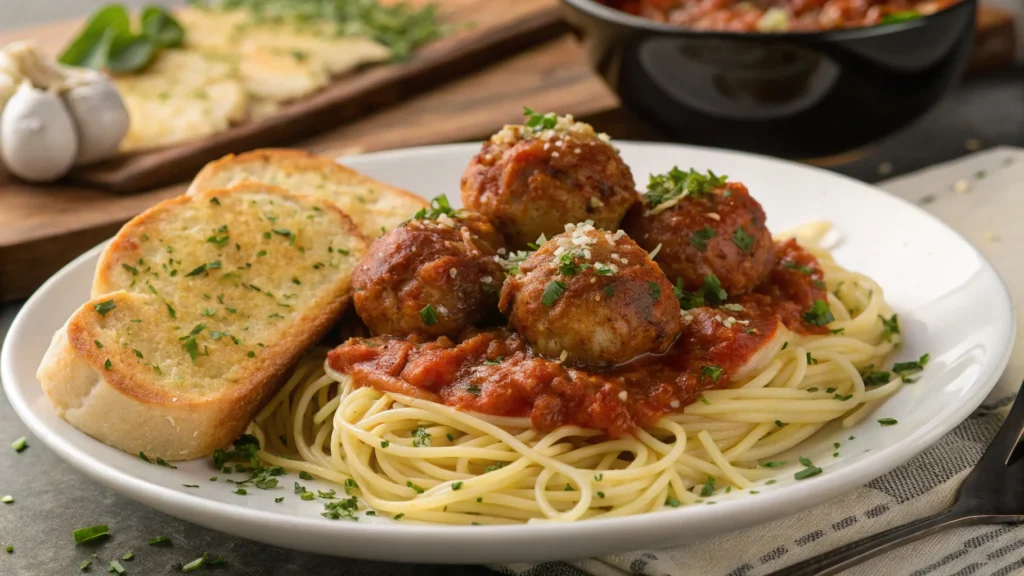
494,372
779,15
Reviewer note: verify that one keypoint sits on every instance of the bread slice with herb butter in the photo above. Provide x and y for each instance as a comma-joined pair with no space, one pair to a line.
201,306
372,205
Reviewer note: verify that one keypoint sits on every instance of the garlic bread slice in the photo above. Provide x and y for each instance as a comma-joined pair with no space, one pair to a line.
372,205
201,307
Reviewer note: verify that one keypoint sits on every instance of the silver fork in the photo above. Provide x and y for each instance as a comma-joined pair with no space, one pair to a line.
992,494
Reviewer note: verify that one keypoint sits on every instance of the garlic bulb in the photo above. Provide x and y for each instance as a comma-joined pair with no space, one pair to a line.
37,135
57,116
99,114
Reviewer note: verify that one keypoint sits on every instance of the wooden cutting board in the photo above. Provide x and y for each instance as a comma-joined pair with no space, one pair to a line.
485,31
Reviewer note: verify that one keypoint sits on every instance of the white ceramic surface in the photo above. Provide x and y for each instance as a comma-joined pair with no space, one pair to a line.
951,303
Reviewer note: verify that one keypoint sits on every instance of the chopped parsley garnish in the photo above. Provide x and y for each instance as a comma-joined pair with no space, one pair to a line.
98,343
552,293
773,464
712,372
214,201
170,310
679,184
710,293
90,533
399,515
456,485
906,370
328,495
475,390
805,270
837,331
132,269
890,326
438,205
609,291
415,488
84,565
384,444
672,501
195,564
344,509
104,307
655,290
450,437
567,265
428,315
20,444
107,364
901,16
420,437
164,463
874,378
704,400
115,567
494,362
538,121
709,487
278,500
887,421
137,352
287,234
700,238
241,492
742,239
780,423
197,270
305,475
811,360
819,314
809,470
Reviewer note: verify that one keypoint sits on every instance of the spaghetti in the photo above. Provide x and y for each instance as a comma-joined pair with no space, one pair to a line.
420,460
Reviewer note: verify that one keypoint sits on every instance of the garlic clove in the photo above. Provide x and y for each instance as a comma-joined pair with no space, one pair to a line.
37,135
99,115
35,65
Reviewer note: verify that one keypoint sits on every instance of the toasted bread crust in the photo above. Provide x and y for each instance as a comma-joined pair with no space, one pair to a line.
134,405
295,162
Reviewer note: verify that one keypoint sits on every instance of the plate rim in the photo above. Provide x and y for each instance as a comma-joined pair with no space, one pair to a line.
784,501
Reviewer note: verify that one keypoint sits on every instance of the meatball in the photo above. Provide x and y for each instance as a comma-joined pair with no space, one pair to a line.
704,226
432,276
592,299
534,180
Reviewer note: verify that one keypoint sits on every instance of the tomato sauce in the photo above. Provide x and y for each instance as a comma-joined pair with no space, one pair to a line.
779,15
495,372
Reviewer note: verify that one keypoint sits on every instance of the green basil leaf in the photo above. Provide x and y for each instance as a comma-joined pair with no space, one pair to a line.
161,27
130,53
91,45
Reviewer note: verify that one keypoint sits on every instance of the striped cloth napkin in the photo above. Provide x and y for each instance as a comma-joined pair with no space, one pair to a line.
980,196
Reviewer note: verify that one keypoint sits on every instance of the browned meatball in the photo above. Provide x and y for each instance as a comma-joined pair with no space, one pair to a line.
704,226
592,299
533,181
431,276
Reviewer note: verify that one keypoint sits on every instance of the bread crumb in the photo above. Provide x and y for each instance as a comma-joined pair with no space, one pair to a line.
961,186
714,216
885,168
991,237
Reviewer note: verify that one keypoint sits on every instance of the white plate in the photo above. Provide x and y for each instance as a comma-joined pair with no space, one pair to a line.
950,301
